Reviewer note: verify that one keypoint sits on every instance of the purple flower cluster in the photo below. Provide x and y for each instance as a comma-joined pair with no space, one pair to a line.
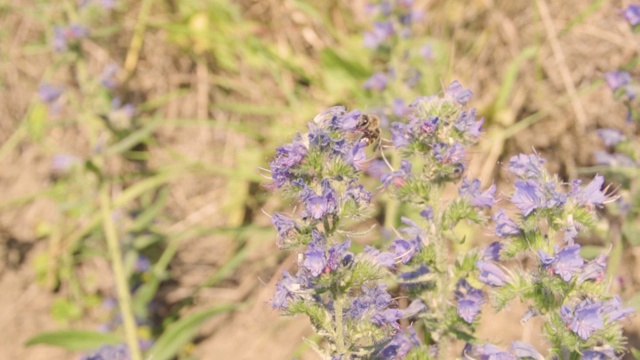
589,316
517,350
63,36
619,154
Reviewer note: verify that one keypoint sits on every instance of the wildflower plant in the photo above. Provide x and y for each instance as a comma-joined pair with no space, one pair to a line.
353,299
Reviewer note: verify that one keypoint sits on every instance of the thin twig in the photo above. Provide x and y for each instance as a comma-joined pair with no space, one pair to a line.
565,74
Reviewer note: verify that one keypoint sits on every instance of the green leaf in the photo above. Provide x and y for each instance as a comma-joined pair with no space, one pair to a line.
636,353
74,340
181,332
36,121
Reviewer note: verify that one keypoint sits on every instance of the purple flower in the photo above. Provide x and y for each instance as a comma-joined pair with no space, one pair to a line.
426,52
617,79
337,254
142,264
471,191
399,108
382,31
604,158
470,301
400,134
61,163
108,77
526,166
504,225
349,121
486,352
416,307
378,257
522,350
330,117
377,82
612,310
528,196
399,346
584,319
599,353
448,154
314,260
285,290
427,213
49,93
466,123
492,251
287,156
430,125
405,250
109,352
357,157
416,276
372,301
632,14
566,263
358,194
593,270
492,274
591,194
388,316
285,226
610,136
458,93
397,177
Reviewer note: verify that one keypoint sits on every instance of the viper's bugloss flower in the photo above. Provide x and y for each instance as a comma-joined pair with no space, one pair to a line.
469,299
566,263
373,300
358,194
427,213
449,154
590,195
357,156
109,352
382,31
400,345
617,79
486,352
611,137
599,353
492,251
400,108
382,258
405,250
108,76
504,225
471,192
49,93
632,14
62,36
416,276
523,350
492,274
613,160
467,123
458,93
287,156
285,226
528,196
526,166
285,290
398,177
584,319
400,134
377,81
612,310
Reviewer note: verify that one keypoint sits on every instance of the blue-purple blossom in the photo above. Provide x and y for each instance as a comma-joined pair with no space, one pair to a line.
611,137
584,319
566,263
287,156
49,93
591,195
398,177
613,160
109,352
599,353
377,81
487,352
526,166
61,163
458,93
142,264
405,250
492,274
430,125
470,301
612,310
617,79
314,259
492,251
285,291
427,213
372,301
471,192
330,117
399,346
528,196
467,124
593,270
382,31
523,350
504,225
349,121
382,258
399,108
448,154
108,76
415,276
285,226
358,194
400,134
632,14
357,156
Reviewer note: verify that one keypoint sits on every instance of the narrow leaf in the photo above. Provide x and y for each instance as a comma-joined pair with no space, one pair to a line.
74,340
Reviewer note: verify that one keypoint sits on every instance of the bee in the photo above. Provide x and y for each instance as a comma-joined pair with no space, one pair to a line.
369,129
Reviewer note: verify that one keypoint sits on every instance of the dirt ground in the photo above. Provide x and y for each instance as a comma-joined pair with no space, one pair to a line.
484,37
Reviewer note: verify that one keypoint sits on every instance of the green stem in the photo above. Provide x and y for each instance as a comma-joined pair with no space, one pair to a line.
122,287
337,304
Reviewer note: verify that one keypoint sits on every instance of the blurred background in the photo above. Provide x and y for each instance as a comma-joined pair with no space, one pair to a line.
146,123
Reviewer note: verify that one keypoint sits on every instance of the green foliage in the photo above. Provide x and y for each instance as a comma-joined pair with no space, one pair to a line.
74,340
